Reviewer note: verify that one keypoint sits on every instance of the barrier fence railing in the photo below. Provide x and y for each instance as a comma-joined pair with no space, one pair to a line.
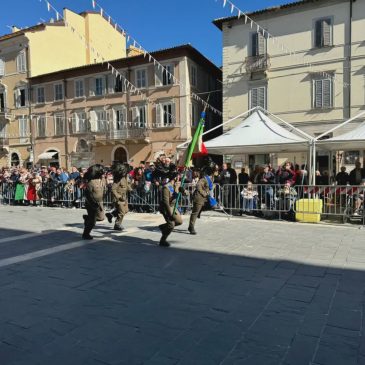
267,200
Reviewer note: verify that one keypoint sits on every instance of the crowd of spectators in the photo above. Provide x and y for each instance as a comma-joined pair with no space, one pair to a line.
53,186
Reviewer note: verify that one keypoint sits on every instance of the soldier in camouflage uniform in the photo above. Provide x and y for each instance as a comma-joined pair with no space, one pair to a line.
94,194
167,203
202,196
120,189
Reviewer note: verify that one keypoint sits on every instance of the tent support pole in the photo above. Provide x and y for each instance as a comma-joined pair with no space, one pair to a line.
314,161
309,166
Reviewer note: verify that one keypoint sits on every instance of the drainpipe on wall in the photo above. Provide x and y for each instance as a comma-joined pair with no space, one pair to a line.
66,121
128,96
349,61
30,98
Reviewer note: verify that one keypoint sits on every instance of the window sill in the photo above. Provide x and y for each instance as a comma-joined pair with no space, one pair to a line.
92,97
315,48
58,101
324,110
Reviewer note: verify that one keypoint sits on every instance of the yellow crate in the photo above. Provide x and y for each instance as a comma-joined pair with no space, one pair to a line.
308,210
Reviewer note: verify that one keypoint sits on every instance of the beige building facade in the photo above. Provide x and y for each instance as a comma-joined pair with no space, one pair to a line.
88,115
257,71
40,49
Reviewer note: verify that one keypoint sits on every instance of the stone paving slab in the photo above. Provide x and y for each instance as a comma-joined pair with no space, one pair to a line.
243,291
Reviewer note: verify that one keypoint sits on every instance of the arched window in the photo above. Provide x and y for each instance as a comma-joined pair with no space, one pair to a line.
14,159
120,155
82,146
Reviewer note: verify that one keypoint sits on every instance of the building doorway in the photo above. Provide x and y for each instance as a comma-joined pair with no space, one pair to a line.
14,159
120,155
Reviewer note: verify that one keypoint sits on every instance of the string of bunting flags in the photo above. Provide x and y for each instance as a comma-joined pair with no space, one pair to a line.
127,84
148,55
259,29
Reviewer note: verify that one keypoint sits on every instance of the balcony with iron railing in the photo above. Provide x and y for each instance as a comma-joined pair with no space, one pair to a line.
5,113
258,63
131,133
4,142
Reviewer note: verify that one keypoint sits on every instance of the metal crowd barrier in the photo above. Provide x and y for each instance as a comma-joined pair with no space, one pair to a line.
278,201
264,200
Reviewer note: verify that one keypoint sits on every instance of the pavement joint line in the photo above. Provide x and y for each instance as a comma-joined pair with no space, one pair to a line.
31,235
41,253
56,249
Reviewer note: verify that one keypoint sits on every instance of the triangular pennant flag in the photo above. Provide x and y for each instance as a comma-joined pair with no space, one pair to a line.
239,13
93,3
224,3
57,15
232,8
48,6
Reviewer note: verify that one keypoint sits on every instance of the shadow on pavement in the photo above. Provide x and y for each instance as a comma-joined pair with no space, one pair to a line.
133,303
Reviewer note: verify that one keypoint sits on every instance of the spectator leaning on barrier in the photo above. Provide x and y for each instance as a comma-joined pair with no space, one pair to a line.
286,173
248,197
267,178
359,199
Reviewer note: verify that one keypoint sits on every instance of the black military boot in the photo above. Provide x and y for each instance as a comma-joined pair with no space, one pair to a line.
163,242
86,235
192,230
109,217
119,228
162,227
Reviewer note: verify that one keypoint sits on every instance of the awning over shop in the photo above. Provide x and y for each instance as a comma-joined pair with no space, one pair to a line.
257,134
47,155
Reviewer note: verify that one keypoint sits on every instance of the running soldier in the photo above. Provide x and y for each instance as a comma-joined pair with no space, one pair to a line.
94,194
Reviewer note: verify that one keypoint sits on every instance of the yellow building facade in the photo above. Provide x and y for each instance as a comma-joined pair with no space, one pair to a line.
76,40
315,85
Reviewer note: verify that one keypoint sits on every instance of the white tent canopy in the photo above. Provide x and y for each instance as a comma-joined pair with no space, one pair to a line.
353,140
258,134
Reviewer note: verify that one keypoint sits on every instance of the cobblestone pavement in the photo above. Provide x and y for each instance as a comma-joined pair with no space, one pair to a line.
243,291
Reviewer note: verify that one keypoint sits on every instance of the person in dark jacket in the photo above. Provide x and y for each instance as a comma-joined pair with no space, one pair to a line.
286,174
357,174
267,179
94,194
343,178
243,177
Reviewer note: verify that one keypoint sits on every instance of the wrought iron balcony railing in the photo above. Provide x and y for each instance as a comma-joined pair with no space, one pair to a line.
257,63
4,141
134,133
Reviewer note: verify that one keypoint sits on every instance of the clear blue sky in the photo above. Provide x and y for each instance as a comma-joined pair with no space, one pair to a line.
154,23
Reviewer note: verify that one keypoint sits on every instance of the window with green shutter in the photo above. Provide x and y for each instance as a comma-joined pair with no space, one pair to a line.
323,33
258,44
258,97
323,93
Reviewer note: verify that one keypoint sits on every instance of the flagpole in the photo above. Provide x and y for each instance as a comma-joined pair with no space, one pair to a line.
190,153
